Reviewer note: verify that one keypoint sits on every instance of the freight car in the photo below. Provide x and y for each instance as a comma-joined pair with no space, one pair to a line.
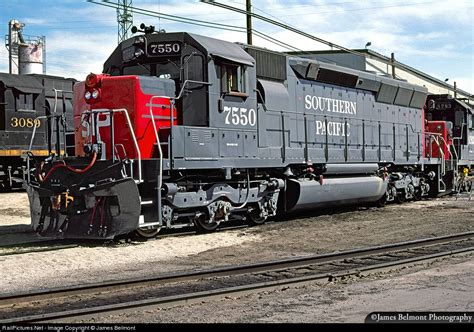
182,129
27,102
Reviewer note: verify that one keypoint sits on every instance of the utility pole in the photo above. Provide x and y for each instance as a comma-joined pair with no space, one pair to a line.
124,19
455,90
249,22
392,60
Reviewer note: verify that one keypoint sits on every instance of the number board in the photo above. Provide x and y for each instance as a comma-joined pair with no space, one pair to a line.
21,123
163,48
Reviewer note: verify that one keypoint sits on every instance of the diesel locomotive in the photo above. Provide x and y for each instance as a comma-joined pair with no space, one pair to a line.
182,129
27,102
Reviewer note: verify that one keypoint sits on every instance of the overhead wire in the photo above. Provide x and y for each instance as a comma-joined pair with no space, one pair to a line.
361,9
196,22
214,25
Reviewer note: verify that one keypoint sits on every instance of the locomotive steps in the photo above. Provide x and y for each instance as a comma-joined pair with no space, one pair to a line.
82,302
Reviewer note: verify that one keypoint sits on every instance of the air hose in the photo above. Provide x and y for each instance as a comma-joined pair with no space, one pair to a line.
75,170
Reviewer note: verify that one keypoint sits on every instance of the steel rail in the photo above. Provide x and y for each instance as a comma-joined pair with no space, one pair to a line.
282,264
192,297
37,250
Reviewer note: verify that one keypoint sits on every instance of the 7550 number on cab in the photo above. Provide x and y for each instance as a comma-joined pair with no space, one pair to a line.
240,116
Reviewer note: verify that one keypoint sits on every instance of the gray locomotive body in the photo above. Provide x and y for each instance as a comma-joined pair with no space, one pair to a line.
248,133
323,132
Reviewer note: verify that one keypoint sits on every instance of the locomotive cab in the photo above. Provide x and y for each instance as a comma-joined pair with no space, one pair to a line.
193,62
459,114
453,120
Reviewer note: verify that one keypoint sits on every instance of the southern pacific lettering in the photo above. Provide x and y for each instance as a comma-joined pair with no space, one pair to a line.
323,104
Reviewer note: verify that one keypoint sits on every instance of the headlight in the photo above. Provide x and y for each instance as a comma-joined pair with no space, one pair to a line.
91,80
87,95
138,53
95,93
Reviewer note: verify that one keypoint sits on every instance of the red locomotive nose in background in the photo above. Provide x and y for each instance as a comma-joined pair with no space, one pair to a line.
103,92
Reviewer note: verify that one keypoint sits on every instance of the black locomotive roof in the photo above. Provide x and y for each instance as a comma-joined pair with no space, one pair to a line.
465,105
209,46
224,49
463,102
26,84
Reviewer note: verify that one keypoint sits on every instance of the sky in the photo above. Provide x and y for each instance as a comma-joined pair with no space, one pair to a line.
434,36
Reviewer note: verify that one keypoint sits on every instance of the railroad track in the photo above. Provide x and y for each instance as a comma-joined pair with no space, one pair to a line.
87,301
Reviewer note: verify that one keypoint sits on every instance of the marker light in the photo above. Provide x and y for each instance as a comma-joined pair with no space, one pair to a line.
95,93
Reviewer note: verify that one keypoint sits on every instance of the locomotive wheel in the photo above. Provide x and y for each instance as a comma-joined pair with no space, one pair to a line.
148,232
468,186
254,218
204,225
5,186
417,196
400,198
381,202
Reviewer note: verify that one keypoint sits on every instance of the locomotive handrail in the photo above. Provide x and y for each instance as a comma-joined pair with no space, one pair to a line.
449,150
30,148
314,114
184,86
443,164
160,150
58,144
34,131
181,92
439,139
441,152
459,138
132,133
56,97
263,101
434,137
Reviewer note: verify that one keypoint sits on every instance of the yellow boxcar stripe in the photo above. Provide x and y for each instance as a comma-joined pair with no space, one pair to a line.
19,153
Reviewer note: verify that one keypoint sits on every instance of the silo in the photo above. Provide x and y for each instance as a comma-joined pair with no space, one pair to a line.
31,58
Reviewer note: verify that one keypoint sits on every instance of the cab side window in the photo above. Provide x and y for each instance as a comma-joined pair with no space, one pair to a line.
23,101
194,69
232,79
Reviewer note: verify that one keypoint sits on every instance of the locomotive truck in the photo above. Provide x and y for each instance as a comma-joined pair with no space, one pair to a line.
182,130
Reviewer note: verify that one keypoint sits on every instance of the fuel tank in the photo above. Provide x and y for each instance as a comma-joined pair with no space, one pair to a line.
310,194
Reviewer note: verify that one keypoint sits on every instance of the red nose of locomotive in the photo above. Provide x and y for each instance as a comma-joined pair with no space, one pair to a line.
106,106
95,193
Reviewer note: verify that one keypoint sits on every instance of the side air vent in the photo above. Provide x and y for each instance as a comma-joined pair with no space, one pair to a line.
404,96
308,70
337,78
419,97
387,93
270,65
